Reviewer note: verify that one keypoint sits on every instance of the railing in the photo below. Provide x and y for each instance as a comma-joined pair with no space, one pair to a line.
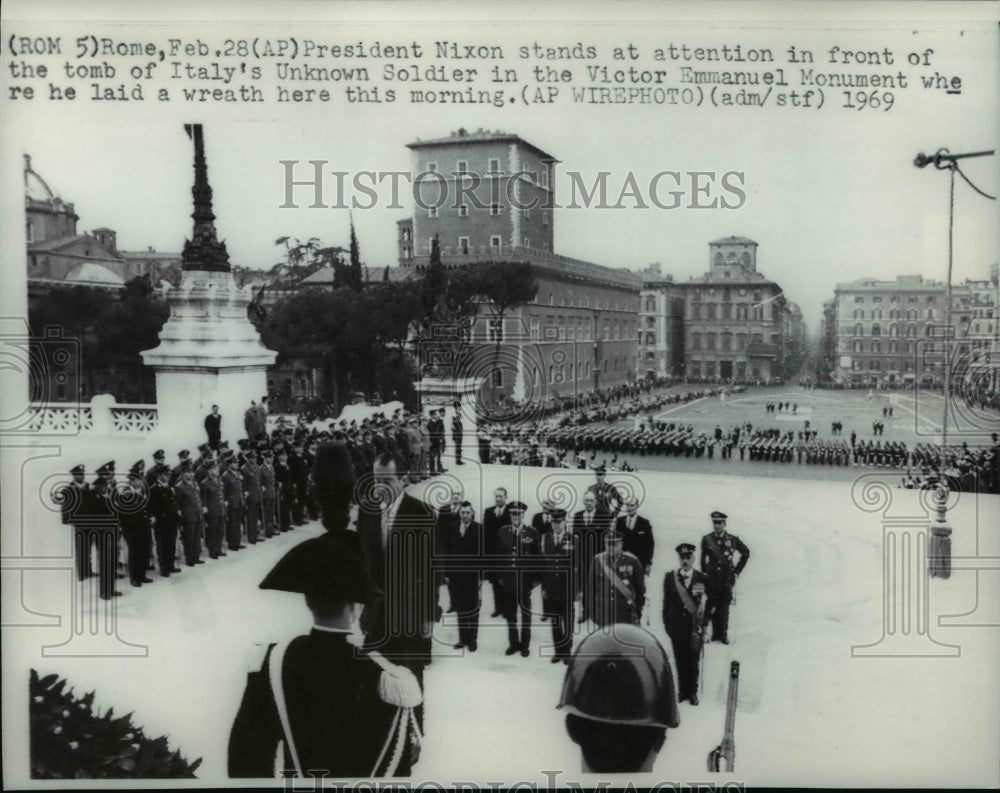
101,416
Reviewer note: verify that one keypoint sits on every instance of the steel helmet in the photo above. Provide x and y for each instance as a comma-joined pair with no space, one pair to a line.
620,675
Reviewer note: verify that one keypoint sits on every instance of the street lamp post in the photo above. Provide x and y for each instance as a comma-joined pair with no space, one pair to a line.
939,555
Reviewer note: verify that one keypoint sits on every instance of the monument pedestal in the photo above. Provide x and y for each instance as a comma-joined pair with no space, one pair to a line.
209,354
444,392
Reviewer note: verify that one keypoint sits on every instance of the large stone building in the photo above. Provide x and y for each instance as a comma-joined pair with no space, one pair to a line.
884,331
489,204
739,323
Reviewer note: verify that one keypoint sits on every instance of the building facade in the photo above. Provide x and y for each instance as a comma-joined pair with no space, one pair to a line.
661,325
737,322
580,332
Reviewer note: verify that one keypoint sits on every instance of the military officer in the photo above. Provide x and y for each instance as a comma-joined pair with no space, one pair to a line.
685,605
517,544
559,587
269,494
335,710
232,492
192,517
617,584
105,527
718,549
214,503
75,506
135,528
252,496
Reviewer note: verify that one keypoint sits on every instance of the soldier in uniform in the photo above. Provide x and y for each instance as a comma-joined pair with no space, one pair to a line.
617,584
75,506
183,456
283,479
589,526
252,493
214,503
269,494
105,527
618,695
192,517
558,582
232,492
717,551
518,544
334,710
608,498
685,605
135,529
163,515
456,433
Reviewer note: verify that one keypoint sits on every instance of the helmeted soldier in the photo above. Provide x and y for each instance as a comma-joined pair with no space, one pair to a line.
619,699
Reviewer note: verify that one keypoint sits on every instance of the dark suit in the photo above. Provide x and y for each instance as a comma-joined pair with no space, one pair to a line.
679,621
491,528
399,625
135,530
104,525
722,572
589,543
464,567
638,540
540,523
213,428
338,722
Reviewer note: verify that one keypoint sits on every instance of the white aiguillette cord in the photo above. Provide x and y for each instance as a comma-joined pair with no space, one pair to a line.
274,669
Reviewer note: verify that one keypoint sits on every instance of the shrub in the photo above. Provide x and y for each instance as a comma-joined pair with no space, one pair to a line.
69,740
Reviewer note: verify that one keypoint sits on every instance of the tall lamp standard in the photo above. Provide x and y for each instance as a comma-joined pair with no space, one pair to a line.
939,554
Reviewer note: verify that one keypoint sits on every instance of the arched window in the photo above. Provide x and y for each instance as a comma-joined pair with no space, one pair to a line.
650,304
930,313
858,329
911,331
876,347
876,313
857,346
876,329
894,329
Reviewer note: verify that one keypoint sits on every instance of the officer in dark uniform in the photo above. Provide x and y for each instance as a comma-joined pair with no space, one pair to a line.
456,433
717,551
105,526
617,584
619,699
335,710
558,547
518,544
685,606
75,506
214,504
135,528
232,492
164,516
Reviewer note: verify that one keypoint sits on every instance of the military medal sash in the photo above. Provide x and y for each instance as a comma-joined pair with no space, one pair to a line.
686,599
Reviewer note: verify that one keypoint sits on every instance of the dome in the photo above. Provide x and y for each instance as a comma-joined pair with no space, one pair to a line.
92,274
35,187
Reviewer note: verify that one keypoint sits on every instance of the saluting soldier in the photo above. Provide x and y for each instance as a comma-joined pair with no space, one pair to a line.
135,527
685,606
183,456
105,528
252,496
268,493
518,544
214,503
192,517
75,506
232,492
558,582
335,710
617,584
718,549
164,516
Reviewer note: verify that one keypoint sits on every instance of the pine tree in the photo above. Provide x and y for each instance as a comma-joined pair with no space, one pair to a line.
357,280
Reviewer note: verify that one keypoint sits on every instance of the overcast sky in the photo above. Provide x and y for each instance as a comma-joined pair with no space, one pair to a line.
831,196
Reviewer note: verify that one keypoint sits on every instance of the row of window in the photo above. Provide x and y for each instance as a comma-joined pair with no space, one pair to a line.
931,299
572,329
495,210
708,311
696,294
493,170
707,341
893,330
895,313
710,369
